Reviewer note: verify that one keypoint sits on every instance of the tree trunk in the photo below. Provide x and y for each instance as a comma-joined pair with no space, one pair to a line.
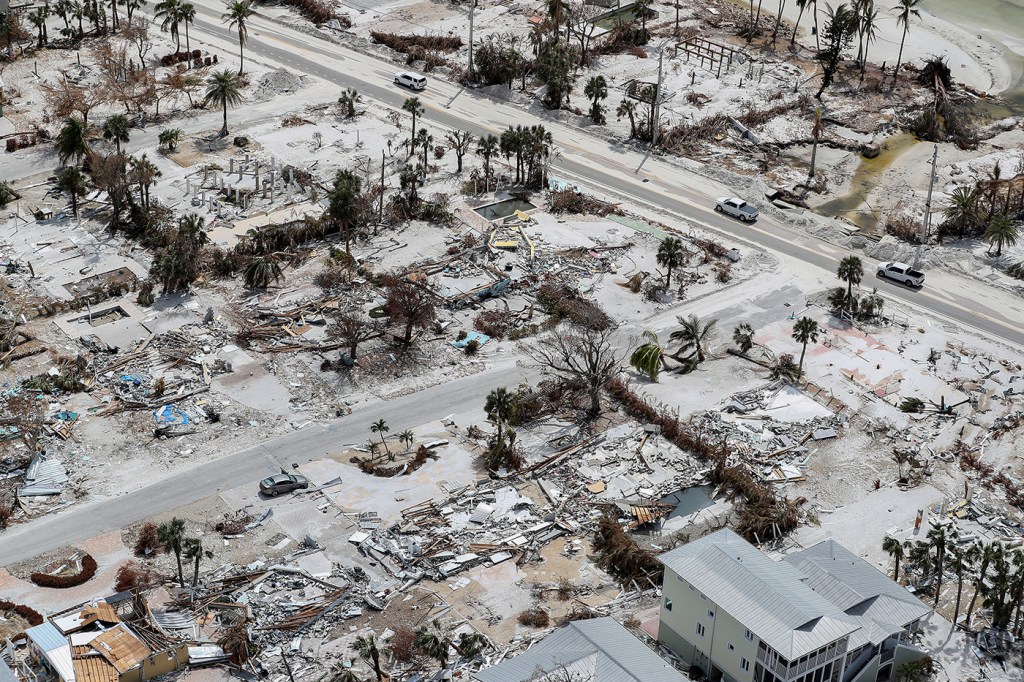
800,368
814,155
74,203
959,594
224,131
778,21
195,575
241,56
177,553
896,71
970,607
796,27
188,44
595,399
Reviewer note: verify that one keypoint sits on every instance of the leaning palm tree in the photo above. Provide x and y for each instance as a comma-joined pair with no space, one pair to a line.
649,357
500,406
692,336
805,331
743,337
1001,232
366,648
172,536
73,140
380,427
263,270
169,14
223,88
851,271
238,15
434,643
784,369
671,255
802,4
116,128
905,9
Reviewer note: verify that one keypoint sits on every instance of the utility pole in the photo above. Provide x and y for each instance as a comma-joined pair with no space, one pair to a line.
927,220
472,11
657,95
383,165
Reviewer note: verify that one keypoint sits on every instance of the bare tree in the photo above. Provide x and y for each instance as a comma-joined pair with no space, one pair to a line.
65,98
580,26
459,142
408,303
577,353
136,31
353,329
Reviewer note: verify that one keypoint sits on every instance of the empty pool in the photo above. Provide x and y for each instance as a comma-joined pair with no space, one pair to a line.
503,209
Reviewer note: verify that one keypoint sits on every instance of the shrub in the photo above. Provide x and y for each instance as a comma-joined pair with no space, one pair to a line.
148,542
561,302
27,612
620,556
534,618
65,581
494,323
316,11
134,576
407,43
569,201
403,644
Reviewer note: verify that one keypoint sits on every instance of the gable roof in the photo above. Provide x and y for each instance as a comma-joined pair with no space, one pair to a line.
599,648
768,597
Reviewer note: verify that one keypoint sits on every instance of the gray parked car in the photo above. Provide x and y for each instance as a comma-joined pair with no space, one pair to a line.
283,483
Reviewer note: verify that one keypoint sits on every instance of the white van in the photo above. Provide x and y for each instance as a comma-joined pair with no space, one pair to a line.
413,81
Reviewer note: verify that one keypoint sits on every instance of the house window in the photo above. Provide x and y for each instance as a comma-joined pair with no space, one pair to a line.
711,614
749,635
732,648
700,629
668,604
744,664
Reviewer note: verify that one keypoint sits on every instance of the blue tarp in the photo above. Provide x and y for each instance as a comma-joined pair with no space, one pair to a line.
169,415
472,336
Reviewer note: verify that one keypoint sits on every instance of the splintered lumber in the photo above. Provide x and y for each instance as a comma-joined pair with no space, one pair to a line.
309,614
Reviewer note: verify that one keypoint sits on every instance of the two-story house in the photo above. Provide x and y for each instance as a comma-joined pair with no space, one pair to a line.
821,615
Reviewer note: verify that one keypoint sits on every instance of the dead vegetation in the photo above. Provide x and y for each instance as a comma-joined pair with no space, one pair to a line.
571,201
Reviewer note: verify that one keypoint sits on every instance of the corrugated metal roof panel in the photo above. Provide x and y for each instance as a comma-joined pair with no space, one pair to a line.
47,637
599,647
6,674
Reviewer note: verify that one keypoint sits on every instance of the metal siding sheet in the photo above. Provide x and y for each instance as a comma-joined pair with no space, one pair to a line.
47,637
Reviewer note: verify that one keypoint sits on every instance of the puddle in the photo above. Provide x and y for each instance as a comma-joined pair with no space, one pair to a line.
689,500
867,176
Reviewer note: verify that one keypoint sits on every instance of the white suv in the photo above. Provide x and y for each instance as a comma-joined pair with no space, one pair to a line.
413,81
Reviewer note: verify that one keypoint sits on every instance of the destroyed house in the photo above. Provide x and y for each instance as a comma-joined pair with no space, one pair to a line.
92,643
820,615
598,649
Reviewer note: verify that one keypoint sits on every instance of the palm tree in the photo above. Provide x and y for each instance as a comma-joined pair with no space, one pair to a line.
816,130
72,181
187,15
145,173
73,140
649,357
487,147
692,336
193,551
868,32
471,645
344,203
380,427
235,640
500,406
897,550
263,270
169,12
169,138
985,554
415,108
347,101
366,648
784,369
596,90
116,128
851,270
802,4
671,255
905,9
743,337
778,21
238,14
434,643
958,561
804,331
912,671
424,139
172,535
38,18
223,88
406,438
938,538
964,209
1001,231
627,107
817,33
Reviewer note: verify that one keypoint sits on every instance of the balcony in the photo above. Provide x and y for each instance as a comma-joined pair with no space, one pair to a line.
775,668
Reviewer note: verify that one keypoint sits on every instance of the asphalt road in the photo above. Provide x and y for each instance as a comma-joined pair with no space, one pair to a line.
583,158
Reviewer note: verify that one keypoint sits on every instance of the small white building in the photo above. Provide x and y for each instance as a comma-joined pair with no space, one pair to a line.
820,615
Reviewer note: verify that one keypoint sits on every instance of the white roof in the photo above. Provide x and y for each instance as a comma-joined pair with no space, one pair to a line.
55,647
768,597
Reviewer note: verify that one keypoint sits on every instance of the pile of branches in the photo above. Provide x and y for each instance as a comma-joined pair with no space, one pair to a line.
404,43
89,567
27,612
563,303
691,137
621,557
318,12
763,515
569,201
755,117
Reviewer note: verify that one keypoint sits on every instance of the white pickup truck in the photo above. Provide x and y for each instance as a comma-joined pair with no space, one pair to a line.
901,272
737,208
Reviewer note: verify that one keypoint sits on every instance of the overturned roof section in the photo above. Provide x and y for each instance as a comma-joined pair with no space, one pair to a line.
598,649
768,597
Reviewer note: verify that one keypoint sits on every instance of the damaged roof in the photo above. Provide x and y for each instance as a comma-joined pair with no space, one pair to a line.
598,649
